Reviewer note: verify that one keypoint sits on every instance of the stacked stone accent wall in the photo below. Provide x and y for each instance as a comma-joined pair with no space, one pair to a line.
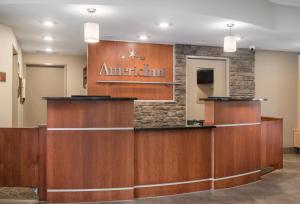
18,193
166,114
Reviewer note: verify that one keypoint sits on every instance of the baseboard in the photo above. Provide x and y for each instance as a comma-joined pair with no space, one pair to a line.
290,150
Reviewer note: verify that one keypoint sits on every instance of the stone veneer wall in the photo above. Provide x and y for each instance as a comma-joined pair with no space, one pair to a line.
18,193
164,114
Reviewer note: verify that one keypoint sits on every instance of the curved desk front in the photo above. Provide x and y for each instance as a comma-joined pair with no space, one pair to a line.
95,154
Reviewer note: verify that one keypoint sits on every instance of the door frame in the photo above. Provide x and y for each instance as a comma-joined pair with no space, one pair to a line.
195,57
48,65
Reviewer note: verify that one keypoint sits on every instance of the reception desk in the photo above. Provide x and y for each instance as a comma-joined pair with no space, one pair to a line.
236,140
94,153
90,147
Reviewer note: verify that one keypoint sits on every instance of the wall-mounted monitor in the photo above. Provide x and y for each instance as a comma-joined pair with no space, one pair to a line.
205,76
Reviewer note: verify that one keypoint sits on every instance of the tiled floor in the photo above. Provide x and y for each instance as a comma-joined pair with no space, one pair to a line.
279,187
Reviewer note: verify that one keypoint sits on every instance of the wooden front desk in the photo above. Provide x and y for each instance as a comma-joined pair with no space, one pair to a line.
95,154
90,148
236,141
271,142
172,161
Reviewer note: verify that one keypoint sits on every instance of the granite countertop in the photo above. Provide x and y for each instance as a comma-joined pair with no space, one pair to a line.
215,98
175,127
82,97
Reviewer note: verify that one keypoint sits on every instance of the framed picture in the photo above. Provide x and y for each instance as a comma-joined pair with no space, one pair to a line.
2,76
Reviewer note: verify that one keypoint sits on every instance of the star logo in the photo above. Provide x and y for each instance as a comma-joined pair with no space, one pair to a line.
132,54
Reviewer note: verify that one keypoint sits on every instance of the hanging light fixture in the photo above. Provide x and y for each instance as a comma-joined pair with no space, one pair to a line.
230,41
91,30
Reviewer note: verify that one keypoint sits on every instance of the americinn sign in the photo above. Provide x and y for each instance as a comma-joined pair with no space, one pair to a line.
120,71
128,69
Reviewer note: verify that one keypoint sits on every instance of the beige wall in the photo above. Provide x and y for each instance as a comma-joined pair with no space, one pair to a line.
41,82
15,101
195,107
8,41
276,79
74,69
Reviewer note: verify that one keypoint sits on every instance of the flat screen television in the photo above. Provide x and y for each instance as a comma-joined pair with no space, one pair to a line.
205,76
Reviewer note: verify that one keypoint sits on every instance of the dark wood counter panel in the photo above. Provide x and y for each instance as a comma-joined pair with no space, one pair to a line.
90,114
94,163
172,161
19,157
271,142
90,146
232,112
237,155
236,140
91,152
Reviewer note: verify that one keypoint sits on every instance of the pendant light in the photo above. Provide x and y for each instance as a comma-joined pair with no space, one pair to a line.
230,41
91,30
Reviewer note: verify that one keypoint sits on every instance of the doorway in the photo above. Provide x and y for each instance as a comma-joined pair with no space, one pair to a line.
196,90
15,101
41,81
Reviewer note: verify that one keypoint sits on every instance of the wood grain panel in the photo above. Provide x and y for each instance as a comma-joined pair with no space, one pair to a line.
84,197
232,112
237,150
209,113
19,157
232,182
172,190
140,91
88,114
42,189
89,159
168,156
110,52
271,143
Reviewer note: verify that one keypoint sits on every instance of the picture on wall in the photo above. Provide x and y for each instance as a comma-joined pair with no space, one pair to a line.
2,77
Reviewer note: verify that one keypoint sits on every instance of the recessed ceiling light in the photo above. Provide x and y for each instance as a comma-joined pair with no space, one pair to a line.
48,50
48,23
238,38
164,24
48,63
144,37
48,38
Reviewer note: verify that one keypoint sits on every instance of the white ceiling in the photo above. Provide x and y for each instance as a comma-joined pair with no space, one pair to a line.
287,2
202,22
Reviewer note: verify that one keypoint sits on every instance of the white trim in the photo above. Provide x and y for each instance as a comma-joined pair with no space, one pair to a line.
171,184
195,57
88,190
238,175
148,186
237,124
91,129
